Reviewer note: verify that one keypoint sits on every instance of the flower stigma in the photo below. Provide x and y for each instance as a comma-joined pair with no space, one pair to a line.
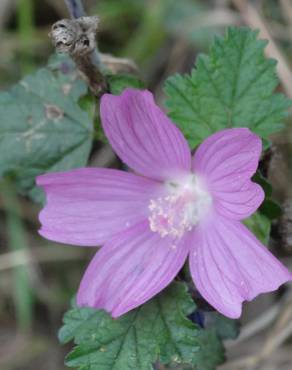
186,202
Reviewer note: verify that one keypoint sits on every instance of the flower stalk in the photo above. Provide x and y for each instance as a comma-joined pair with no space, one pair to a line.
75,8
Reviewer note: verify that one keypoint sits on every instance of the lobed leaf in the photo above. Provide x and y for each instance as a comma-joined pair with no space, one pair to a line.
158,330
42,127
231,87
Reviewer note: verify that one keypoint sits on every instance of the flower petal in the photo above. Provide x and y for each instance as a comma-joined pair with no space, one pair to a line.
89,205
143,136
239,204
130,269
229,265
226,161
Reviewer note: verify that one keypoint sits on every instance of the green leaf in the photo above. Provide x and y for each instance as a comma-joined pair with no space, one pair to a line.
260,225
117,83
231,87
225,328
211,351
264,183
159,329
271,209
42,127
210,355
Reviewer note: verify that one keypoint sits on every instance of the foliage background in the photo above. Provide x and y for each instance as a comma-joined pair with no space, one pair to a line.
39,278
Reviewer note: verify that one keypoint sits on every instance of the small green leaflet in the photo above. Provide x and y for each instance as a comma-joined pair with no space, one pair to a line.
158,330
260,222
271,209
118,83
42,127
231,87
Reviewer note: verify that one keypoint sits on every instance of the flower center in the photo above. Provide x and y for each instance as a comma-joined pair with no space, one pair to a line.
184,205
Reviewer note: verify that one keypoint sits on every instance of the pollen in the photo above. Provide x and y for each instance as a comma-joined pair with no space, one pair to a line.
184,205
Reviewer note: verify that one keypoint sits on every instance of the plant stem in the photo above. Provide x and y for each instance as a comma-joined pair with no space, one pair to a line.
25,20
75,8
17,242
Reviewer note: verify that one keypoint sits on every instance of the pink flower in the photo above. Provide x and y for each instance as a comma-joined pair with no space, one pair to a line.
174,206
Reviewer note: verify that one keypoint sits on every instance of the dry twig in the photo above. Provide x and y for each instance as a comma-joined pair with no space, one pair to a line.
286,6
277,335
19,258
77,37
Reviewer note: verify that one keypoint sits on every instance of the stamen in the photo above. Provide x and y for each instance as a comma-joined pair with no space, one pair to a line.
181,209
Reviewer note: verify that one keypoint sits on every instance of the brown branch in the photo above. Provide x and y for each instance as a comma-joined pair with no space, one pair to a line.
77,37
